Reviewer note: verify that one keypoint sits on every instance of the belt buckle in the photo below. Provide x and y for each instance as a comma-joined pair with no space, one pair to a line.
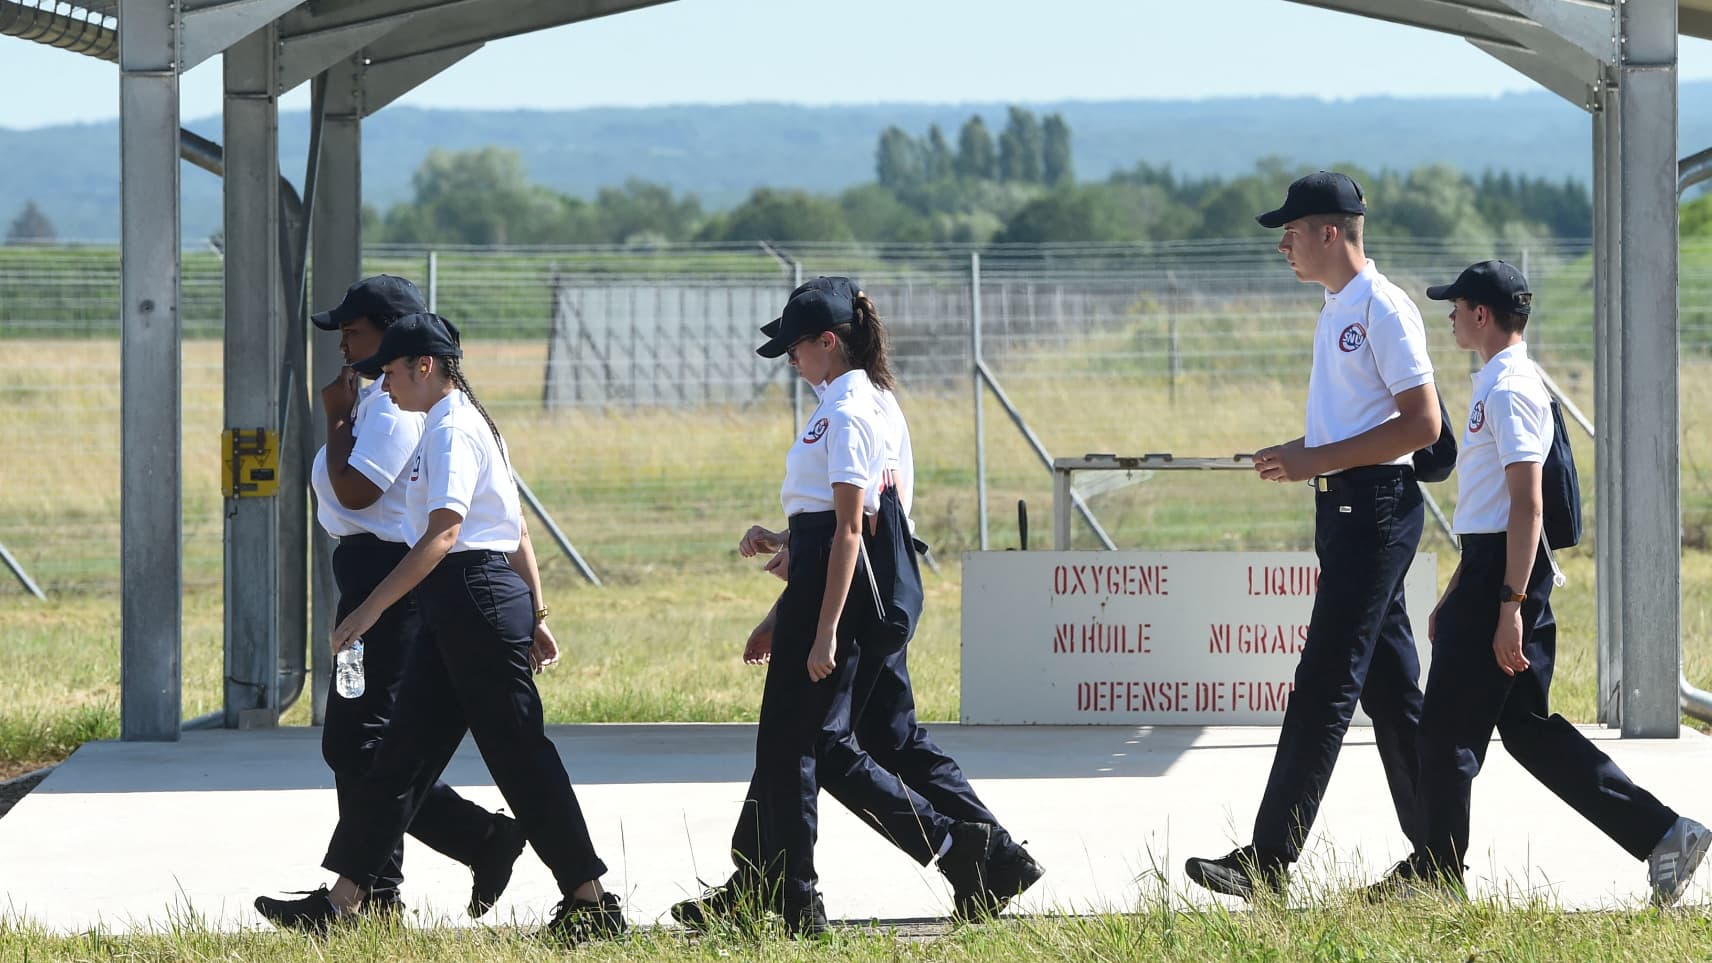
1322,483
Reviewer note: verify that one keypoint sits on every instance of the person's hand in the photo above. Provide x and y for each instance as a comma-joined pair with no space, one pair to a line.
1290,462
340,395
760,646
780,564
544,651
820,657
1507,641
757,540
352,628
1433,624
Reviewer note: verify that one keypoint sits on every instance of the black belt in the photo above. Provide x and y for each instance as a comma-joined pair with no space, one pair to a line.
811,522
368,538
1366,476
474,556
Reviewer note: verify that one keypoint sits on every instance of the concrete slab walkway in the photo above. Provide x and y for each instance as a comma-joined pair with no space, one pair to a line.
135,835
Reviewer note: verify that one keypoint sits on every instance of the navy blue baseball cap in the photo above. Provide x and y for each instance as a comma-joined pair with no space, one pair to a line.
412,336
382,299
1496,284
805,315
841,286
1322,192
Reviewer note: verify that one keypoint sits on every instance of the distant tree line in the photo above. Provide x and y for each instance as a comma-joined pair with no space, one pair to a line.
1017,187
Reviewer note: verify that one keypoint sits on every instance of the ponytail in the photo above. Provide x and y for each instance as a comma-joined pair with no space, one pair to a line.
455,371
866,345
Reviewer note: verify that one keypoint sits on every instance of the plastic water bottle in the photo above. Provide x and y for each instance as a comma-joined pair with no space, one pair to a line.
348,671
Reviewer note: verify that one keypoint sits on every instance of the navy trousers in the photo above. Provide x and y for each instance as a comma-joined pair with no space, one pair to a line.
477,679
805,738
885,726
1359,649
446,822
1468,696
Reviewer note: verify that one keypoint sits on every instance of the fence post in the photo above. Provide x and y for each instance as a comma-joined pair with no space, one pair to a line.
796,382
433,282
975,380
1171,324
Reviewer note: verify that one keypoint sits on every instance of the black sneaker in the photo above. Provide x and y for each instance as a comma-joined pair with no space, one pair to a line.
1410,879
966,865
805,915
579,920
491,872
313,913
1240,872
1010,871
736,899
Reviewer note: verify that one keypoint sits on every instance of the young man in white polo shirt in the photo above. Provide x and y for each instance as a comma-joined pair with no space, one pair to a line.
1494,638
1371,405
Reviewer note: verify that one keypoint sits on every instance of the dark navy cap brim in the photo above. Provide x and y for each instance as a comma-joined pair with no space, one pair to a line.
1442,292
370,367
324,321
774,348
1272,219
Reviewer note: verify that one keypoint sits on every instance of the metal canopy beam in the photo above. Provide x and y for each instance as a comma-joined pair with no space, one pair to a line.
1590,25
1441,16
1567,57
387,80
486,20
212,27
1580,91
150,476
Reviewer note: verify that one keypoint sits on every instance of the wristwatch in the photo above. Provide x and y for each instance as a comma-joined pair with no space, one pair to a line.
541,614
1508,594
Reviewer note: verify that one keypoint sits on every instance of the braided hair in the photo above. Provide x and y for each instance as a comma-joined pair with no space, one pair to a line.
454,370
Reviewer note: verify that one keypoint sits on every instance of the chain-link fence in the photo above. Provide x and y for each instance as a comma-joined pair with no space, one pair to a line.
626,384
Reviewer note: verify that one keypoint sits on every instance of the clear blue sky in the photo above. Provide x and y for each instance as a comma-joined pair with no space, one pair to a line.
864,51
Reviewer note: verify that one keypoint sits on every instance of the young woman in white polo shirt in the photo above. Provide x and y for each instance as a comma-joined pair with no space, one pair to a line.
359,479
1494,637
890,773
473,572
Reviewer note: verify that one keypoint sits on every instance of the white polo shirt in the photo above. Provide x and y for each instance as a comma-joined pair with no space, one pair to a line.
386,439
1509,422
845,440
1370,346
901,455
460,467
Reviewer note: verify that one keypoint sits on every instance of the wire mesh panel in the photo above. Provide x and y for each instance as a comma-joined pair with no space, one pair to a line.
627,384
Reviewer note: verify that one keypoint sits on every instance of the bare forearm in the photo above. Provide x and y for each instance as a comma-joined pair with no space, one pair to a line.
353,488
840,569
1378,445
412,569
1521,541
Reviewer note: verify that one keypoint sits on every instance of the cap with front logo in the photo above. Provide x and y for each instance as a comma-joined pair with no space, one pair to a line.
412,336
805,315
382,299
1496,284
1322,192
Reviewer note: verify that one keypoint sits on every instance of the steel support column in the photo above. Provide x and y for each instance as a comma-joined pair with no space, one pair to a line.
253,353
1607,377
150,506
336,230
1648,526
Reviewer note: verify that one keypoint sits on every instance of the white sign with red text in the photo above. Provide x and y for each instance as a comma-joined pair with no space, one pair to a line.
1145,638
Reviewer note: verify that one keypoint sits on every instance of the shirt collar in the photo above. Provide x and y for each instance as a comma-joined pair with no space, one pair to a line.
1515,356
1358,287
848,383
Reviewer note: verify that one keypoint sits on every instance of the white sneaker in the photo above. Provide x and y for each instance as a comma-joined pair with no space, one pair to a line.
1675,858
